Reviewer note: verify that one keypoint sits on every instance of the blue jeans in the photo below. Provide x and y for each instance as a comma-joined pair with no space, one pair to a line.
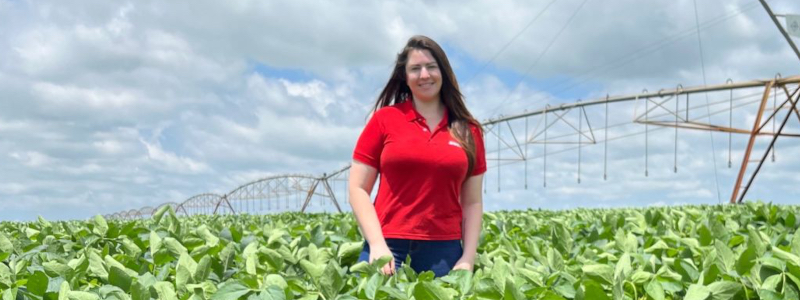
436,256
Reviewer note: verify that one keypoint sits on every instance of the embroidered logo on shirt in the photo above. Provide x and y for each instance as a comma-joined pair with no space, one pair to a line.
454,143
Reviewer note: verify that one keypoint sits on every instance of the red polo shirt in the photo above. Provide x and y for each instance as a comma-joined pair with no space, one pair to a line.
421,173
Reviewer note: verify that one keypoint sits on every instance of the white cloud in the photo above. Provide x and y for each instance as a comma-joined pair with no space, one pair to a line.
110,106
39,49
10,188
109,146
61,97
32,158
91,168
171,162
12,125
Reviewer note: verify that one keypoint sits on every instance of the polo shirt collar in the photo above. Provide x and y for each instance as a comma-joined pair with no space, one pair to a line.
407,107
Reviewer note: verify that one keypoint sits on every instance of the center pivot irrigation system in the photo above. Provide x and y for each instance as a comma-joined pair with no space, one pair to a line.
567,128
667,109
288,192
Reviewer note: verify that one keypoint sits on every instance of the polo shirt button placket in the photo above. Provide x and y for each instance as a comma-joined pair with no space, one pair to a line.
430,137
424,127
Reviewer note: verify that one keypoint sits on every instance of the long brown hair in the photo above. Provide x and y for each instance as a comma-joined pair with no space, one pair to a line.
459,118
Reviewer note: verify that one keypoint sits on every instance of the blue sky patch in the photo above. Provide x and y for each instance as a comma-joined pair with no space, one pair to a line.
468,68
291,74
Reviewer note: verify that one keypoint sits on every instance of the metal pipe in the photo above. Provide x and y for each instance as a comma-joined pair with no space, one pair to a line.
580,141
544,167
753,134
526,153
677,102
771,145
780,28
730,125
646,132
498,157
605,145
691,90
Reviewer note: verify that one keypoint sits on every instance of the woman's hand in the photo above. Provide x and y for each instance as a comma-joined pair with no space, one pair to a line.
362,179
472,208
464,263
376,253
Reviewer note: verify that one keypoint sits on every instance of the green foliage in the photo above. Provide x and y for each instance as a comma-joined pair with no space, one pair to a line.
695,252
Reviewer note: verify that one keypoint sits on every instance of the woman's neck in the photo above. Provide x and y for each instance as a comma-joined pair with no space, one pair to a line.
429,109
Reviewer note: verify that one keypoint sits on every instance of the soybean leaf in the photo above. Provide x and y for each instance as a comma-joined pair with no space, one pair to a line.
5,276
230,290
165,291
79,295
210,239
155,242
314,270
593,290
602,273
460,279
512,291
348,252
37,283
725,255
769,295
96,264
160,213
786,256
6,247
203,269
275,280
100,225
654,290
174,247
623,268
182,277
273,258
500,271
373,283
697,292
63,291
139,291
331,281
723,290
380,262
795,243
111,262
272,293
430,291
119,278
746,261
790,292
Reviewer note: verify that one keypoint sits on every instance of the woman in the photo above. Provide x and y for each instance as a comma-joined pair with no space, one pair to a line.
429,151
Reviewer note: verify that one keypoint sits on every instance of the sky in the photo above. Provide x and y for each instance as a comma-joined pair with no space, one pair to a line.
107,106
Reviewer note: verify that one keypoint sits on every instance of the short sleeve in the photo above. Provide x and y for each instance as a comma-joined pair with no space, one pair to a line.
370,143
480,151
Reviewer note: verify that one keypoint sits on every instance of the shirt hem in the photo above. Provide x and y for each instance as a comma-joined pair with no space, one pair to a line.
423,237
479,172
366,160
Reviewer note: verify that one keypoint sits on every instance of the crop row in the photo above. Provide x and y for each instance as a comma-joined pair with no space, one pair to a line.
745,251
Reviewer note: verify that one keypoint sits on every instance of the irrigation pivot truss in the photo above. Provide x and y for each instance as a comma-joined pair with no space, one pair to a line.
288,192
678,108
553,131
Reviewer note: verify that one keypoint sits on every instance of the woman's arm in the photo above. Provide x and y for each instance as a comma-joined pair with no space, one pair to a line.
472,209
362,179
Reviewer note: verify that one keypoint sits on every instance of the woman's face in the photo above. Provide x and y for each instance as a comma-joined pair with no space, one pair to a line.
423,75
